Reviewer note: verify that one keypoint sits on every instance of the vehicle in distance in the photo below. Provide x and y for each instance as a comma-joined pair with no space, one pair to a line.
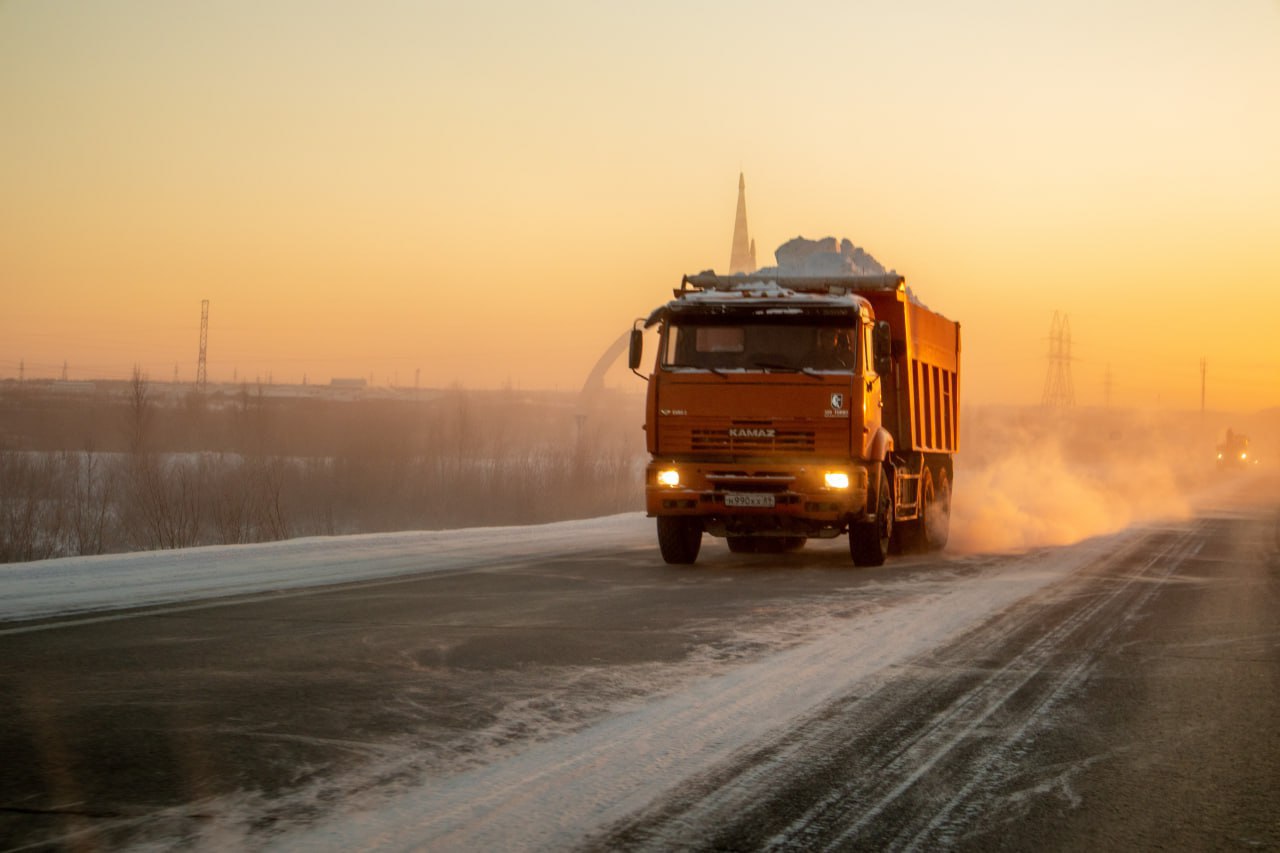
1234,451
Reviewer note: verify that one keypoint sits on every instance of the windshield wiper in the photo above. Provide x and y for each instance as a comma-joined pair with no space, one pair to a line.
807,371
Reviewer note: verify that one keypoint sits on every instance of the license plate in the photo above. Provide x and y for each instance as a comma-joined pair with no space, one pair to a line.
748,500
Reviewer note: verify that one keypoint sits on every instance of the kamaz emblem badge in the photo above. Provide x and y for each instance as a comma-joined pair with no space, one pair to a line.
837,401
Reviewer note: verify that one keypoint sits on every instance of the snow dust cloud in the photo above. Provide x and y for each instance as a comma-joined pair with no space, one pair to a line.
1026,477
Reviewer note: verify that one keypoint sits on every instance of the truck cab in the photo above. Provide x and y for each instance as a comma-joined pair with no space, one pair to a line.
765,416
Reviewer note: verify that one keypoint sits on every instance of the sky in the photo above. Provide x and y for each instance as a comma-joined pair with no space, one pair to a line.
489,193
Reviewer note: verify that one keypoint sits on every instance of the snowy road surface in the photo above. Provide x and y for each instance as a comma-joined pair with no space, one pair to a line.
559,687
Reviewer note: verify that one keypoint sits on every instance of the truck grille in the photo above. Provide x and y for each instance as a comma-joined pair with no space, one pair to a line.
751,481
782,441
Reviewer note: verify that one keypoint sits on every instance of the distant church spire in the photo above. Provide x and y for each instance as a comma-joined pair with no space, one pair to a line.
742,257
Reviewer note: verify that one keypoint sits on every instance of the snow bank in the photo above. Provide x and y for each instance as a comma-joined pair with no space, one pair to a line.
114,581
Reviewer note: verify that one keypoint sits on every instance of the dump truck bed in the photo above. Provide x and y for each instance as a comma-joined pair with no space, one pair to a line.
922,402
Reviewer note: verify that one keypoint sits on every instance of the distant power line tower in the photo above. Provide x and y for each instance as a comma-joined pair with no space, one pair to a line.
202,365
1058,390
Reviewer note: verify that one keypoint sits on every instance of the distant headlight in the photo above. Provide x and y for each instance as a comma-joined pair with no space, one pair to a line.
669,477
836,480
1244,455
1219,455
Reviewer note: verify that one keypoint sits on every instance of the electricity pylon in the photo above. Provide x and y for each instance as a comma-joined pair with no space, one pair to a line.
1059,393
201,365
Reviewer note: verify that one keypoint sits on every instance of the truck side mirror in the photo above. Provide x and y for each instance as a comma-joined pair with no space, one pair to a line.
883,348
637,348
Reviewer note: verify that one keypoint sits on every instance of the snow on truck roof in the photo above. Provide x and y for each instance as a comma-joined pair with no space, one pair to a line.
773,284
709,287
753,288
771,294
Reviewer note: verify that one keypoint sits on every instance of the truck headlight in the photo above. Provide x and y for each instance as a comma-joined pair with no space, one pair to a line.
669,477
836,479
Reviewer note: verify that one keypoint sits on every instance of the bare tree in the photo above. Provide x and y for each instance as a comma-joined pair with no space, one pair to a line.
32,511
270,482
166,495
91,499
141,413
166,504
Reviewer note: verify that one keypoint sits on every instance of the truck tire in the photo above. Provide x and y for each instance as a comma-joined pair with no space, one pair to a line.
869,540
929,532
935,523
679,539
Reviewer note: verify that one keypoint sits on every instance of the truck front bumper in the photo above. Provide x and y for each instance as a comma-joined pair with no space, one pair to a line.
814,498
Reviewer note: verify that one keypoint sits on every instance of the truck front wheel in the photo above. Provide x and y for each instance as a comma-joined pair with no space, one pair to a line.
679,538
869,540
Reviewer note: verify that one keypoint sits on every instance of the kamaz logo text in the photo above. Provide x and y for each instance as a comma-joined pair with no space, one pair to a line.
742,432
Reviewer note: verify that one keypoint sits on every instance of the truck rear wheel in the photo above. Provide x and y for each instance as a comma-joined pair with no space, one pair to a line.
869,540
679,538
935,522
929,531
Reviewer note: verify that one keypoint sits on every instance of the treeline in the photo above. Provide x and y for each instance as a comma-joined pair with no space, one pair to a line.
152,472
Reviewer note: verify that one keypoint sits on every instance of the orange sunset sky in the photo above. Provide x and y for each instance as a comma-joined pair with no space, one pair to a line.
490,192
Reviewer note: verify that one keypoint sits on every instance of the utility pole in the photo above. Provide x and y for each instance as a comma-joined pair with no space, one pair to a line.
64,370
202,365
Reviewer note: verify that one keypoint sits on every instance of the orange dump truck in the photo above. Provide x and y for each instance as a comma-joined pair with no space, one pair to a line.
782,408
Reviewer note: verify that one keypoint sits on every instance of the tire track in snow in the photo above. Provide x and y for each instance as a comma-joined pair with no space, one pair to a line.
1029,671
906,767
556,794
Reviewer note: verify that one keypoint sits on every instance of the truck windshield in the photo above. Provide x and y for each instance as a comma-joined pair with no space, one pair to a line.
760,346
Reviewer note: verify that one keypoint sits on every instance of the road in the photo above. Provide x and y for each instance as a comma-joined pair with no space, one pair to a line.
1123,692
